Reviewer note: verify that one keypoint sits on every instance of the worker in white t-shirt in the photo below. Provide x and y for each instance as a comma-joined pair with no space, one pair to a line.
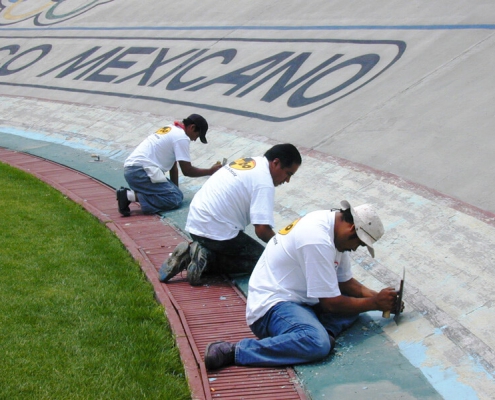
302,294
239,194
146,168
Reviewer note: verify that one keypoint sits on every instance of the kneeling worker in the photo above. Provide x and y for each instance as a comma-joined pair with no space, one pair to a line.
159,153
241,193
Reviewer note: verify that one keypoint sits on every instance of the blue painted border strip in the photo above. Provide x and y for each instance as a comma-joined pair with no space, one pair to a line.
265,28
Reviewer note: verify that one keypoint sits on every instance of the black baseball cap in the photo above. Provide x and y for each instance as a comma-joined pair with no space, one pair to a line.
201,125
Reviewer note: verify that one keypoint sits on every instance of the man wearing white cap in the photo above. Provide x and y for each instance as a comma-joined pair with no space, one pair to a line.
302,294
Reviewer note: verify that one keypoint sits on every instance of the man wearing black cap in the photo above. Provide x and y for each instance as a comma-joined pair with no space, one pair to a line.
145,168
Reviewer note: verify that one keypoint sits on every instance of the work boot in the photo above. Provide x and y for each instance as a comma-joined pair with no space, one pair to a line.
199,262
219,354
123,202
177,262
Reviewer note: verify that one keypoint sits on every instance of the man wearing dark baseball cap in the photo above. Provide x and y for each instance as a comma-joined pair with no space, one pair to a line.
146,168
201,125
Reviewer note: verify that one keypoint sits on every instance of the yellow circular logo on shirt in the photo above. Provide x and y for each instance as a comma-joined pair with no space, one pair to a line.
243,164
287,229
164,130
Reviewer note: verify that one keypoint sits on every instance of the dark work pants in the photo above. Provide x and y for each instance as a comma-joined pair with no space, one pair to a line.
238,255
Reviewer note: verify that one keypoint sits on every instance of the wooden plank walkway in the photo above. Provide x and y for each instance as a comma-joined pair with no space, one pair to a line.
197,315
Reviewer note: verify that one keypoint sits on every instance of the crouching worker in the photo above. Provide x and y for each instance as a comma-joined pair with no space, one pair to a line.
302,294
146,168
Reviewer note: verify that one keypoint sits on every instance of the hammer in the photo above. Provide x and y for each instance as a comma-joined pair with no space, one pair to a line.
398,305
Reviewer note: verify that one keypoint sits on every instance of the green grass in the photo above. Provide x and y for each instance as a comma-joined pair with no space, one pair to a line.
78,319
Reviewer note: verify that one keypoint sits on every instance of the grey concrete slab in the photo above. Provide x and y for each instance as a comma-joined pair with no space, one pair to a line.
410,92
390,104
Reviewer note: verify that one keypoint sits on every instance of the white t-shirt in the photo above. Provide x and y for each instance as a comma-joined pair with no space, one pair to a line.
300,264
161,149
238,194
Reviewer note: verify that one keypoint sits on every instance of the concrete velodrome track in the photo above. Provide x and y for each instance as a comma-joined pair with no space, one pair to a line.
390,103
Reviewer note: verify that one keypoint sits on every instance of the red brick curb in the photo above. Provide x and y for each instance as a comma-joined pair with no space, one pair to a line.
197,315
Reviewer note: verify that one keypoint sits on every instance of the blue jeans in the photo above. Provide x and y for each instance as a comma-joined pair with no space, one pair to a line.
291,333
153,197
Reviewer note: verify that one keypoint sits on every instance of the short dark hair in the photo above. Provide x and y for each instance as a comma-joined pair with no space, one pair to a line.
286,153
187,122
347,215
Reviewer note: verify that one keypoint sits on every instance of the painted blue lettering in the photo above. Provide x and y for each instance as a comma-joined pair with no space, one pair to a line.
367,62
13,48
97,76
182,64
157,63
44,49
77,60
282,85
239,79
176,83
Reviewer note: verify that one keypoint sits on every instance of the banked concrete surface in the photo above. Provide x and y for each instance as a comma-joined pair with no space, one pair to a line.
445,330
388,105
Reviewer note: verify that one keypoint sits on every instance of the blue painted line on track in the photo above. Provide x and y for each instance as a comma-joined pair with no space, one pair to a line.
266,28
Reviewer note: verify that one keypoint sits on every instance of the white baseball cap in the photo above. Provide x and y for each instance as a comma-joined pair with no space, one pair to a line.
369,227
